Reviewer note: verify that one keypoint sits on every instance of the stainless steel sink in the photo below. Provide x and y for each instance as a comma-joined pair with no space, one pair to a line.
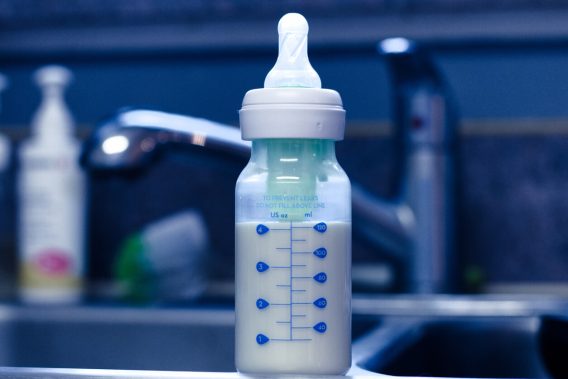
455,336
480,337
117,338
124,338
468,348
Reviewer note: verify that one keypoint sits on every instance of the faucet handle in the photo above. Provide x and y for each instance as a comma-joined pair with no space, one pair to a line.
423,108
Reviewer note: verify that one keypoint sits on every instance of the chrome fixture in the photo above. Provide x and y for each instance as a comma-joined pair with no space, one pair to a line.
132,138
419,226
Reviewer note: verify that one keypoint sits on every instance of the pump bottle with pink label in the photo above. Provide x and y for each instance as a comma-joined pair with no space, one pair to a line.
51,195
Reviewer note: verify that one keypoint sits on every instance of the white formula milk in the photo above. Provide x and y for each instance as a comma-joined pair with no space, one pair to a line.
293,289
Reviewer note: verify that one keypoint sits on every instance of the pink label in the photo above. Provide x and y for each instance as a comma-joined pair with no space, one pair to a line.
53,262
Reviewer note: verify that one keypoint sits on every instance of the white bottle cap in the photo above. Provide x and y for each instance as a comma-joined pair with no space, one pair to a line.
53,76
3,85
3,82
4,153
4,142
292,104
52,120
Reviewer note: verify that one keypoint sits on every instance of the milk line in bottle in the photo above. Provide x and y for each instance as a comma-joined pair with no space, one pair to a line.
293,222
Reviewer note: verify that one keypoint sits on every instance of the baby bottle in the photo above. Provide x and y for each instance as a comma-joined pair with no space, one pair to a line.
293,222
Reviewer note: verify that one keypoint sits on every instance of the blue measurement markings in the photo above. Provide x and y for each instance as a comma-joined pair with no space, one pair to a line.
320,327
262,229
261,303
262,267
321,277
321,302
261,339
321,252
321,227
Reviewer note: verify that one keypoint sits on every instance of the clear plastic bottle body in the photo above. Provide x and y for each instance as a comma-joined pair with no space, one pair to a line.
293,260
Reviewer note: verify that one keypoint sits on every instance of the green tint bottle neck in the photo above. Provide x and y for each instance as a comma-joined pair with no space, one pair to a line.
292,154
294,167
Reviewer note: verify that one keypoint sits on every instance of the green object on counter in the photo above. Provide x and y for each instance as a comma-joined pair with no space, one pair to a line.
475,279
132,271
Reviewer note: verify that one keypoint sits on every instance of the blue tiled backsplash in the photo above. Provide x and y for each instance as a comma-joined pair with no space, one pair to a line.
511,202
512,165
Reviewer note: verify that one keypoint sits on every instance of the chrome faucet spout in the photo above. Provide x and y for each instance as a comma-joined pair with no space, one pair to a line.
387,223
133,137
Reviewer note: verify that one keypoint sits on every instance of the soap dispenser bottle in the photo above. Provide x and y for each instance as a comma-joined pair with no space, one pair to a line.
6,271
51,189
293,222
5,148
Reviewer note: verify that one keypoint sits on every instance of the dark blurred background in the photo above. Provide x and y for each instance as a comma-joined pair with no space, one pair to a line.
506,62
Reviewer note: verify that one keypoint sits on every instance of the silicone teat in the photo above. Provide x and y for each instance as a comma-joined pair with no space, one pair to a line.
292,68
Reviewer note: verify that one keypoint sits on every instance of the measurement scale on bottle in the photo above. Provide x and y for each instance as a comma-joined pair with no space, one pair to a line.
297,289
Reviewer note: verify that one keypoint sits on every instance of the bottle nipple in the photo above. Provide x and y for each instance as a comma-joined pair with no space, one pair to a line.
292,68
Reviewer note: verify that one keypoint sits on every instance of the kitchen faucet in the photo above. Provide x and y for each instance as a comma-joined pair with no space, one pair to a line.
417,224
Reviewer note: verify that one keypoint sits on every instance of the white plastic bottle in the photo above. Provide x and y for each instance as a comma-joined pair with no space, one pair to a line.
6,276
293,222
51,189
5,147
